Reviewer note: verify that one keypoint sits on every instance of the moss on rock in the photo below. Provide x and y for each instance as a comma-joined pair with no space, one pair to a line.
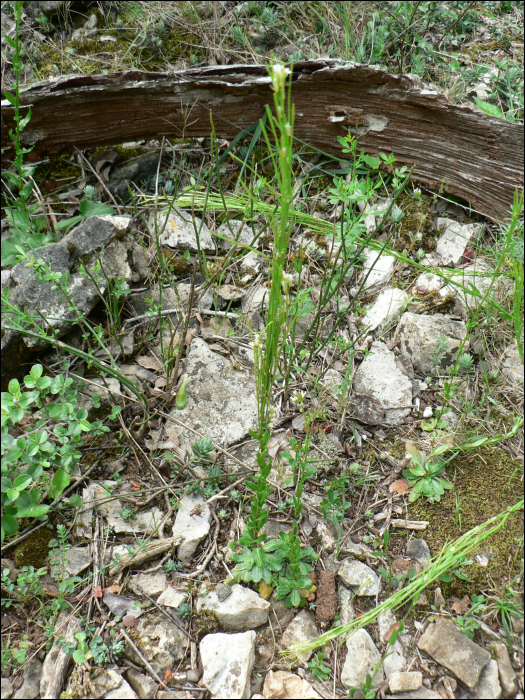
34,550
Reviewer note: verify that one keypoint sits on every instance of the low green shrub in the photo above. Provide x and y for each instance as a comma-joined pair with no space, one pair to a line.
41,432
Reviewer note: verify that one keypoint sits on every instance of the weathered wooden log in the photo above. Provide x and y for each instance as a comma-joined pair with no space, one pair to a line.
478,157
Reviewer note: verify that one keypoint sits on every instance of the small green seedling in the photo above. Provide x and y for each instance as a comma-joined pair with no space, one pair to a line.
424,475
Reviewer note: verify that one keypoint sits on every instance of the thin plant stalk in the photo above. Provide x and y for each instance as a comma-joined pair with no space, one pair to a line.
267,359
449,557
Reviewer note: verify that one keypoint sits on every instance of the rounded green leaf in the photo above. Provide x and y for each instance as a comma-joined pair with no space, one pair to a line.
78,657
61,480
13,494
22,482
9,525
33,512
14,387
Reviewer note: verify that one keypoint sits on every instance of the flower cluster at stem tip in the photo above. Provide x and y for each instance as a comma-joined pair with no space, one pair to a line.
278,75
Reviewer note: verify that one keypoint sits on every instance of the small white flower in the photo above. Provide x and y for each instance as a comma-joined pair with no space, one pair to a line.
278,74
298,398
286,282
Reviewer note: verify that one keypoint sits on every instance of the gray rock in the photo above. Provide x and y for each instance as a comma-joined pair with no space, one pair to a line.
488,686
272,528
477,275
405,682
280,615
439,600
119,605
30,687
107,684
421,694
180,231
223,591
172,597
420,340
108,391
76,560
256,299
395,661
283,684
361,659
228,661
180,295
252,262
347,613
221,401
238,231
143,522
454,239
354,551
512,366
161,641
379,268
379,376
242,610
449,417
360,577
507,677
301,629
152,584
190,526
324,539
97,235
143,685
7,689
427,282
419,551
385,308
455,651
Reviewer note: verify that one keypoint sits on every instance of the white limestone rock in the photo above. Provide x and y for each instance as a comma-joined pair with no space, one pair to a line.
192,525
421,340
379,376
361,659
385,308
301,629
242,610
221,401
379,268
359,577
454,239
228,660
180,231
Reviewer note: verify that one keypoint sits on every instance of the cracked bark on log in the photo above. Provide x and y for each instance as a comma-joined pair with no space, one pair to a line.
480,157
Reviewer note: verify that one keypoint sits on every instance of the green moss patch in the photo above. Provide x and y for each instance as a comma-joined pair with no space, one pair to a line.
34,550
485,483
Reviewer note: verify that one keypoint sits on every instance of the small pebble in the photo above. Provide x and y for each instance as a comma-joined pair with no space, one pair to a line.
223,592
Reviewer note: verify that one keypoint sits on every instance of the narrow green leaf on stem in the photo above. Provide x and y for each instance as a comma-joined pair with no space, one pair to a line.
180,401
